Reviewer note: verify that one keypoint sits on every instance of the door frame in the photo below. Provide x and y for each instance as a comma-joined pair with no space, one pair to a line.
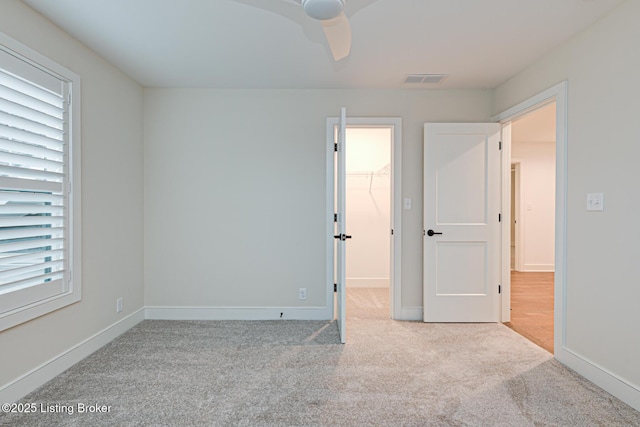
395,282
519,208
559,94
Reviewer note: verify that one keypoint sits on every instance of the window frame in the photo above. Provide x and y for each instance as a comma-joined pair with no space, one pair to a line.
73,293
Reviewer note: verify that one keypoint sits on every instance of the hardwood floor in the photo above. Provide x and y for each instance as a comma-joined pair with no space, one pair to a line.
532,307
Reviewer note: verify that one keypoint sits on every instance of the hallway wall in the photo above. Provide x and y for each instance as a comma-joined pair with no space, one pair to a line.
537,204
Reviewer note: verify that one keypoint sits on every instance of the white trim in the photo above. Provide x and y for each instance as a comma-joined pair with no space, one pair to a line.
505,229
37,59
557,93
368,282
238,313
628,393
412,314
30,381
525,107
329,212
38,376
522,219
395,123
396,221
73,224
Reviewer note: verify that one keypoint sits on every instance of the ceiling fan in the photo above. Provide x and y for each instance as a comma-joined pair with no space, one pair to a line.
334,22
332,15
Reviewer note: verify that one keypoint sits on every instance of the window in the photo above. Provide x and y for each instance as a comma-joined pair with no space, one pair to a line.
39,189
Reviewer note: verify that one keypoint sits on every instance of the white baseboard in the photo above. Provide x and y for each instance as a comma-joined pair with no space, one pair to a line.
623,390
238,313
367,282
411,314
542,268
12,392
38,376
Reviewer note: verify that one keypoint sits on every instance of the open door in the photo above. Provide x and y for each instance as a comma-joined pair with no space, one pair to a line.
340,230
462,222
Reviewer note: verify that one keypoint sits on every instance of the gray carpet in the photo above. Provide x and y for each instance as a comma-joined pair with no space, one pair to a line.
294,373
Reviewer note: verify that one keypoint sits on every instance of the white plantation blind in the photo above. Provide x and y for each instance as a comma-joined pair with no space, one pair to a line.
34,184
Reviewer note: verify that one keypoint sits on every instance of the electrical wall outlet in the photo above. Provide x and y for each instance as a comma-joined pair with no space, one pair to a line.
302,293
119,305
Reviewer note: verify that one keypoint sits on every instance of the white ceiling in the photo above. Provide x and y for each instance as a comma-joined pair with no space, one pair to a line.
273,44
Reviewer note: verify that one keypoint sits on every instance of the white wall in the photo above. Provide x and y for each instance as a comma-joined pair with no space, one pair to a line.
537,197
602,270
235,190
235,179
368,185
112,208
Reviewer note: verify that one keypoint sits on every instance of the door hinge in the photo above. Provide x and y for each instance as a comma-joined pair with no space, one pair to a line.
392,231
499,217
499,289
335,147
335,217
500,145
335,287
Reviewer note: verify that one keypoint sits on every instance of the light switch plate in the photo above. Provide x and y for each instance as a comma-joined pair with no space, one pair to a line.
595,201
407,203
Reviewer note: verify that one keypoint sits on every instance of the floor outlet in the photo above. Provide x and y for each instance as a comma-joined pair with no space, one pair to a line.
303,293
119,305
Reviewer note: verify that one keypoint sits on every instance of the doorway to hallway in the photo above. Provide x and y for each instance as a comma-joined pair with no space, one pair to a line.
532,228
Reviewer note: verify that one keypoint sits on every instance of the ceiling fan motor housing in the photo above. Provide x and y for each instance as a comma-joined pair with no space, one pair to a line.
323,9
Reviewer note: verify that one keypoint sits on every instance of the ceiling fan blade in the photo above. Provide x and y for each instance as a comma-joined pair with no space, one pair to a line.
338,34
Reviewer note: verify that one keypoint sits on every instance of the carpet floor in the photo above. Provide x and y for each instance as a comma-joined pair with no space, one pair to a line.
295,373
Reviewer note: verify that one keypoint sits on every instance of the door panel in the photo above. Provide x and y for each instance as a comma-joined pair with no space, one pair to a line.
462,202
461,160
341,250
470,280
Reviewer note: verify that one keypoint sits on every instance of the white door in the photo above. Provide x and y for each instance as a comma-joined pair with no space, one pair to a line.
461,222
340,230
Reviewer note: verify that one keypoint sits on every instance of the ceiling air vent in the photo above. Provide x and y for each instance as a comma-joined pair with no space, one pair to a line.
424,78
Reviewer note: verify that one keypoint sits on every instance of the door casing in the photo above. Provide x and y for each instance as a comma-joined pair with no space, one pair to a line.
557,93
519,226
